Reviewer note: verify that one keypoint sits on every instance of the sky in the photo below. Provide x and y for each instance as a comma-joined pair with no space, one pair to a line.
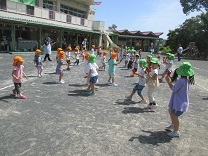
142,15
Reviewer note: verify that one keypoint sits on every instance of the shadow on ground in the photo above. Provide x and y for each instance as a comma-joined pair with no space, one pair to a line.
154,138
124,102
4,98
135,110
78,93
49,83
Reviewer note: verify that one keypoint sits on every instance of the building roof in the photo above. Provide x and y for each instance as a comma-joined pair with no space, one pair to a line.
137,32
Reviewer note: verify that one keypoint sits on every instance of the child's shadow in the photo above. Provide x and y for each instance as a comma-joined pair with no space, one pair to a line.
78,93
154,138
50,83
77,85
124,102
135,110
4,98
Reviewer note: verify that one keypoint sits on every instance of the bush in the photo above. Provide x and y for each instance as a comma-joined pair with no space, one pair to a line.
165,49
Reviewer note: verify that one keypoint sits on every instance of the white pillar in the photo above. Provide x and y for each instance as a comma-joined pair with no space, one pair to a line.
100,40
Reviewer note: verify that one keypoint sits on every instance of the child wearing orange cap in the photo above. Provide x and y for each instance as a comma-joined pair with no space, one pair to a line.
112,68
60,63
68,57
38,62
86,65
17,75
92,49
57,54
103,61
77,55
99,50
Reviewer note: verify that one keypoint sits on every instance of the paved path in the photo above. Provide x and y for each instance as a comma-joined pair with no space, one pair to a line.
61,120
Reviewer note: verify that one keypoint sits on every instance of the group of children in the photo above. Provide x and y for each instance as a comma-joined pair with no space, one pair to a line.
147,75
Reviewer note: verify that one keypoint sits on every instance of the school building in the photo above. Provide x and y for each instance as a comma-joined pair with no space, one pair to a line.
26,23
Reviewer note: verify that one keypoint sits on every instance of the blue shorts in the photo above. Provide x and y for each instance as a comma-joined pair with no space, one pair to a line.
93,79
58,71
176,113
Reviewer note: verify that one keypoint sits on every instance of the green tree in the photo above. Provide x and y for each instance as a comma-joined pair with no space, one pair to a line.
194,5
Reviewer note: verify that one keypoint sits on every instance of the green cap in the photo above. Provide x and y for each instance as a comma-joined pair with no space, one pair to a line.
171,56
92,58
185,69
154,60
149,56
143,62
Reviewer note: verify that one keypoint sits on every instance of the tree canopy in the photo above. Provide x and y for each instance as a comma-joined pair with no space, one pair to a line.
195,30
194,5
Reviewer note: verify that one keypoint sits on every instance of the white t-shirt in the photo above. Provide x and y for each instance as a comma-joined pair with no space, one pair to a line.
86,66
142,81
93,67
92,51
169,65
180,50
68,55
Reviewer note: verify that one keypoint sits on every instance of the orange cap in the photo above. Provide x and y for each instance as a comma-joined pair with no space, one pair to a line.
61,54
87,56
17,59
105,53
69,48
114,56
38,51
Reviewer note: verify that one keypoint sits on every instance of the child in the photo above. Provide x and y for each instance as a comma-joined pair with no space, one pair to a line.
38,62
103,61
152,83
59,69
17,75
112,68
136,60
68,57
149,57
86,65
57,54
141,84
179,101
93,49
99,50
77,54
93,74
169,64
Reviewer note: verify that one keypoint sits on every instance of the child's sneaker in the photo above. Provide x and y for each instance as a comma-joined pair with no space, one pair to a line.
114,84
62,81
22,96
143,101
169,128
174,134
14,91
154,106
39,76
128,97
109,81
16,95
91,93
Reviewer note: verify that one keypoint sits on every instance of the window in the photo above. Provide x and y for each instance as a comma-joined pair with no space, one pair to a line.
73,11
51,14
68,18
3,4
30,10
82,22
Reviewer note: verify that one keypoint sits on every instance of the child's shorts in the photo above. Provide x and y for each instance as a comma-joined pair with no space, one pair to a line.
58,71
176,113
112,74
93,79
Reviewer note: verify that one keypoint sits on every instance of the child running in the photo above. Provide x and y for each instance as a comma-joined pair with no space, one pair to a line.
169,64
17,75
152,83
179,101
60,63
68,57
103,61
141,84
93,74
38,62
112,68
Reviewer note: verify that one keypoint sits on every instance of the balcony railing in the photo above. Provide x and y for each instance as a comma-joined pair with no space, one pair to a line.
44,13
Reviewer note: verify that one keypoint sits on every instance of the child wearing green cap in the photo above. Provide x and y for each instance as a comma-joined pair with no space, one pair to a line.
168,66
92,74
179,101
142,82
152,83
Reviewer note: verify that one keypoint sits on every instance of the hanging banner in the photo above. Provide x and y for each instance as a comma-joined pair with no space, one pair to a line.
29,2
